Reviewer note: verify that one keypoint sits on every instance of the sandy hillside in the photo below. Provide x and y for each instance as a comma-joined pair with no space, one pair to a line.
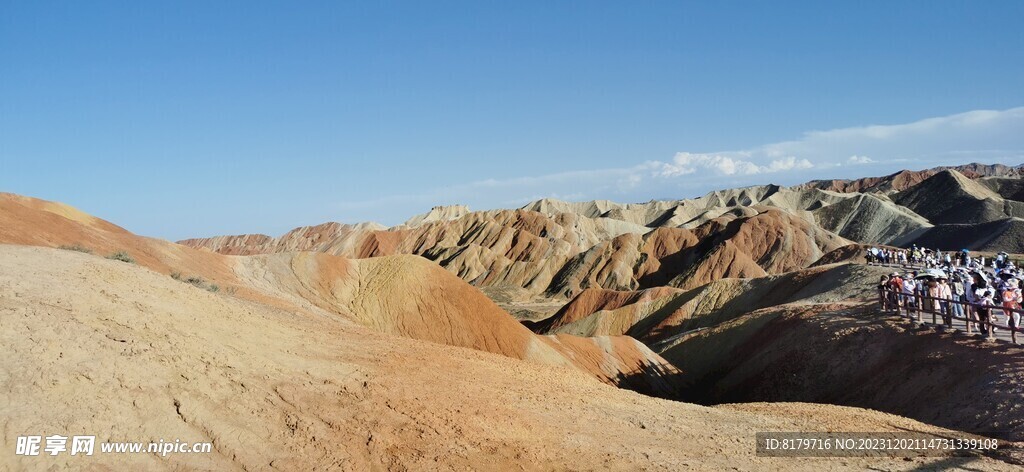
412,297
401,295
129,354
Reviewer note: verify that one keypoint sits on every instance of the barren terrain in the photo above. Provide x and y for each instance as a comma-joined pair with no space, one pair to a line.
129,354
557,336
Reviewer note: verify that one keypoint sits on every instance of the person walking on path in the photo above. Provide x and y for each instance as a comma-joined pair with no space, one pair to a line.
930,290
978,289
1011,302
895,287
985,301
944,294
970,281
908,294
883,285
959,291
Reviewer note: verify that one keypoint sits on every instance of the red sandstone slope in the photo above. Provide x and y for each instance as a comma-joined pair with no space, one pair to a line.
565,253
130,355
561,253
594,300
412,297
398,295
657,317
896,182
906,179
34,222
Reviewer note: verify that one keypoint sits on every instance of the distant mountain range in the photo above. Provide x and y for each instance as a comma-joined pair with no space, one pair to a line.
554,248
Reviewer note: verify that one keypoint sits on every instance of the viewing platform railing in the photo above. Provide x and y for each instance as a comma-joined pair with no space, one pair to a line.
909,265
971,317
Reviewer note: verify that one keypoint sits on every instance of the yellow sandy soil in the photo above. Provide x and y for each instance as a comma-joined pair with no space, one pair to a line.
94,346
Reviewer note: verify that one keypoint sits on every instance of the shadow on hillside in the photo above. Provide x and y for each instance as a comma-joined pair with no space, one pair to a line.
655,380
861,359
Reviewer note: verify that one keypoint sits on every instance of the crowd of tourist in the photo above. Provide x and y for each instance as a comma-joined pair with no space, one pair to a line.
953,285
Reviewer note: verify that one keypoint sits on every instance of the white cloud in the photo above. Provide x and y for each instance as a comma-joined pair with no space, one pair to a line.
933,141
789,163
724,164
986,136
953,139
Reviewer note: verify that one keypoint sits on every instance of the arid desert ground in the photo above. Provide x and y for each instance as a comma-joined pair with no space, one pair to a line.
556,336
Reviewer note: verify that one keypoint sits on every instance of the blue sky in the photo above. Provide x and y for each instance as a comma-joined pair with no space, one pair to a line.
193,119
